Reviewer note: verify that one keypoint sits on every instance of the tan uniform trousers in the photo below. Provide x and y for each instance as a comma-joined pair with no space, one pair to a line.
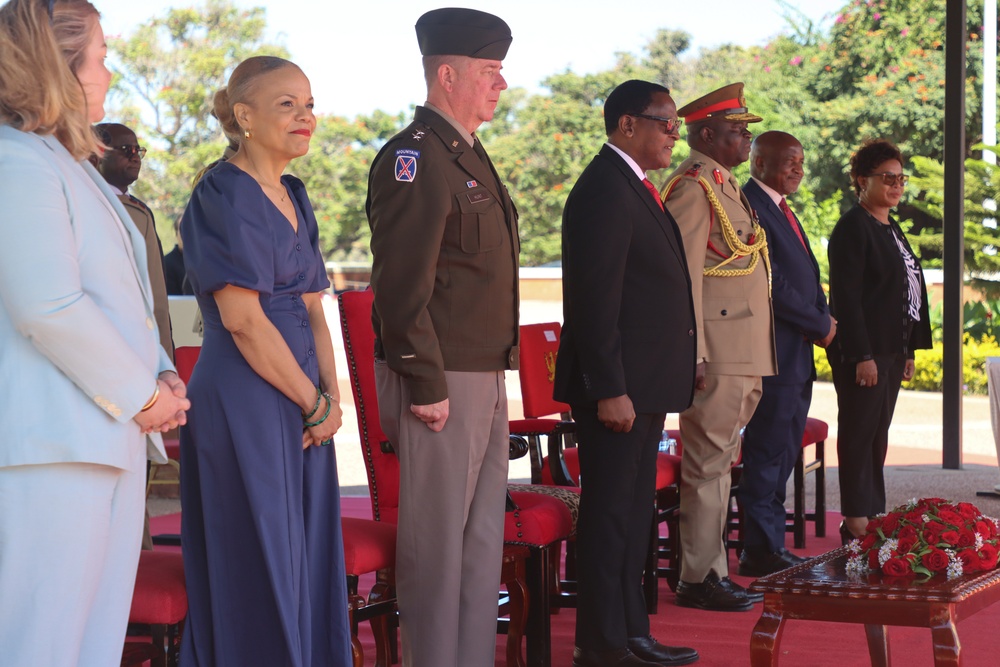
452,492
710,435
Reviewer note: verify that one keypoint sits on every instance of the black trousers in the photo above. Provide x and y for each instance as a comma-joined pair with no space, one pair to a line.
863,432
618,487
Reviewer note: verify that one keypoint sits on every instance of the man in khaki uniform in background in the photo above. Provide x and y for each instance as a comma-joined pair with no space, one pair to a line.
120,166
730,283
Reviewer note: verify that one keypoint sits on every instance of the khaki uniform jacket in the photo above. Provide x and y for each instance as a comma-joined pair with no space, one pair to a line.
734,317
143,219
445,258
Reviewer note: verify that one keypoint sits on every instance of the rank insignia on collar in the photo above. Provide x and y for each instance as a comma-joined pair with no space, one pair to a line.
406,164
418,135
471,184
454,144
717,175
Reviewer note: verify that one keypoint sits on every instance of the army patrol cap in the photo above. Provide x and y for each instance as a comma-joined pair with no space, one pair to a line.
454,31
726,102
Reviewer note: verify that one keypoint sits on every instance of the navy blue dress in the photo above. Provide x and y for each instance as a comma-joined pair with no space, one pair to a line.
262,543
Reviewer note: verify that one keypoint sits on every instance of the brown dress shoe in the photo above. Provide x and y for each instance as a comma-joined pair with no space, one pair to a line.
653,651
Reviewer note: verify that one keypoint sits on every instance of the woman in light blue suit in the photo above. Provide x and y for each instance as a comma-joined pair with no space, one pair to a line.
86,385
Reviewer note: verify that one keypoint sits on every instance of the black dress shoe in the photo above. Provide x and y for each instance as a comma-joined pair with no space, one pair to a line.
622,657
653,651
714,594
753,596
846,535
757,564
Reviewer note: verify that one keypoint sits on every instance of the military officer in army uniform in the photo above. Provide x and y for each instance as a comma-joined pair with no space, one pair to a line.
730,282
120,166
444,275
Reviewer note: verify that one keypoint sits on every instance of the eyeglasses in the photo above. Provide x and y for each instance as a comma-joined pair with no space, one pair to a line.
892,179
672,124
131,151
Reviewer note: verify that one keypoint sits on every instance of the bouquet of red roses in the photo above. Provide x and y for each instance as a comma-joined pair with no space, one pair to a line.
927,537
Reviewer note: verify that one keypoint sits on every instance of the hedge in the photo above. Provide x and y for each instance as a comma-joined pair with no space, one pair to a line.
929,374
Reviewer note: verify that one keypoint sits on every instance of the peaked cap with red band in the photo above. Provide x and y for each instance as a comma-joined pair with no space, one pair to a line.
726,102
455,31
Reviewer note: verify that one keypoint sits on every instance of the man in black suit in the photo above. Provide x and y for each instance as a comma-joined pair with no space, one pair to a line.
773,437
626,358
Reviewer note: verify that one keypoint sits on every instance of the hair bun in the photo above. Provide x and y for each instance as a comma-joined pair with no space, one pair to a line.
223,110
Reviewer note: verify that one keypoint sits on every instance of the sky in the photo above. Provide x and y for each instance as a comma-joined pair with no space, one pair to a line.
362,55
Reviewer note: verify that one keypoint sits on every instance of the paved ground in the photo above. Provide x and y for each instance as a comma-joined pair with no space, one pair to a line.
913,467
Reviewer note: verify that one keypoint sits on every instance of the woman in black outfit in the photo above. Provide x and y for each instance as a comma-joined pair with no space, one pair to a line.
878,296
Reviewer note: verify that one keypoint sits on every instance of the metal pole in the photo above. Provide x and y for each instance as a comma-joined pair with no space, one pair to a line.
954,225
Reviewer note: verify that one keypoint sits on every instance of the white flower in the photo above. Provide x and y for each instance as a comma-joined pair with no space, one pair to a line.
979,541
857,566
954,564
885,551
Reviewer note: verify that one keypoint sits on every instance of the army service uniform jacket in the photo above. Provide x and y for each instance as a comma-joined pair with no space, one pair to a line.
733,312
445,258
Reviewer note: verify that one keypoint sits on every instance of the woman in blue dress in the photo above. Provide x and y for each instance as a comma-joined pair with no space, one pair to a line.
263,552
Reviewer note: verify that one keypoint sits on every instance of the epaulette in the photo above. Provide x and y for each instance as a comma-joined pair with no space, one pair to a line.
694,171
138,202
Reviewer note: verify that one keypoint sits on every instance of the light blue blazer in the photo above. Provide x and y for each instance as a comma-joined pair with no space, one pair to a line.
79,349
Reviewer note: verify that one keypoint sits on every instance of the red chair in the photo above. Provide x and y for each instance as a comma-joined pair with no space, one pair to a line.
160,602
561,465
370,546
539,523
816,433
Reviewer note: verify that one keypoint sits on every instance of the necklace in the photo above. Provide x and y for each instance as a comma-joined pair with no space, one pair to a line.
279,190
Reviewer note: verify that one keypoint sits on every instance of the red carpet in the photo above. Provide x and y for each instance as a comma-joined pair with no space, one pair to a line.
723,639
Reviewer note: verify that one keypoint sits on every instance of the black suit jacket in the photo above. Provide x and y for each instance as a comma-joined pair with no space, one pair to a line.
868,291
629,319
800,311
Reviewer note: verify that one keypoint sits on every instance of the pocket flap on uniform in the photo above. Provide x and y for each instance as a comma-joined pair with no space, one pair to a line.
726,309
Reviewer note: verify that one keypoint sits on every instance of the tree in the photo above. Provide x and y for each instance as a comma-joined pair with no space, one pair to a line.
166,74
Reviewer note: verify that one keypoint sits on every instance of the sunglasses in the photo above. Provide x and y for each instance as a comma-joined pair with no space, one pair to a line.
892,179
672,124
130,151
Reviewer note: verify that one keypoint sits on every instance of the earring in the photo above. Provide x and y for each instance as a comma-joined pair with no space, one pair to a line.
247,134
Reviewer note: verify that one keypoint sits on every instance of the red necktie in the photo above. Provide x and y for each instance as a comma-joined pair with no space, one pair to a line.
653,191
783,205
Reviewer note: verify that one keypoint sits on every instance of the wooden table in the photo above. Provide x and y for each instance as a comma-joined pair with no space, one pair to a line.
821,590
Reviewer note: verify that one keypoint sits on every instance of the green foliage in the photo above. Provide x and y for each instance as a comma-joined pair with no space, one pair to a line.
878,70
166,74
979,319
928,375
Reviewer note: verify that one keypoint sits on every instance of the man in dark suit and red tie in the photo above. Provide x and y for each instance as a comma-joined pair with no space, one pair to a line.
626,358
773,437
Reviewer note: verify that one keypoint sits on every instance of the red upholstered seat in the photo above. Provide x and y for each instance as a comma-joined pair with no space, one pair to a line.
159,601
369,545
539,520
159,597
816,430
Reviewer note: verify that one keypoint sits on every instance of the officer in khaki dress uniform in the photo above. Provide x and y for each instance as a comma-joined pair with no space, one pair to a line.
444,275
727,258
120,167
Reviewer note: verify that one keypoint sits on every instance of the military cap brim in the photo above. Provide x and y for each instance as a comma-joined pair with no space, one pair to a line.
456,31
727,103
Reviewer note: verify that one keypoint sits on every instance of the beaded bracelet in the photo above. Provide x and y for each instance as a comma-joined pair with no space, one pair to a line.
329,405
319,397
